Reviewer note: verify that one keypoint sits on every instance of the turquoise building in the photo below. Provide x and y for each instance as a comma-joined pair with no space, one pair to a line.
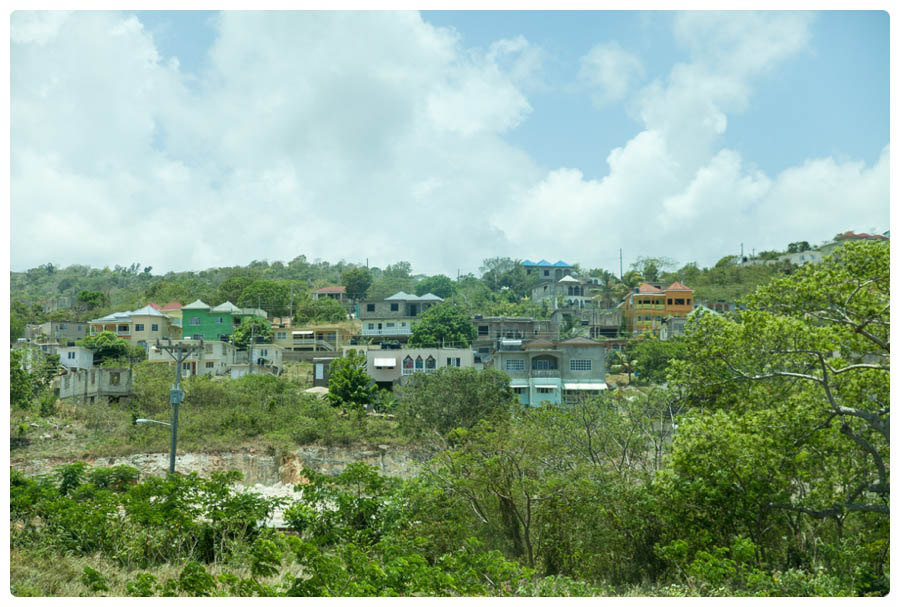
199,321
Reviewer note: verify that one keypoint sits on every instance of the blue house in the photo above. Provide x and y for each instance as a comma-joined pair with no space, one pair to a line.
546,270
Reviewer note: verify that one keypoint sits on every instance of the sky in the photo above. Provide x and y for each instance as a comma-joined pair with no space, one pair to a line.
184,140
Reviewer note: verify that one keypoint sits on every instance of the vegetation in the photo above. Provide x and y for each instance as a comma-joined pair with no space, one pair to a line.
251,326
324,310
442,325
349,385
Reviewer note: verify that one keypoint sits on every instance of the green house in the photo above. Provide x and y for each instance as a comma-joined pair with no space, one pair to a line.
199,321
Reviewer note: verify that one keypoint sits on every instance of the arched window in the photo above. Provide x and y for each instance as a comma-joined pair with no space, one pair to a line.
418,363
407,365
430,364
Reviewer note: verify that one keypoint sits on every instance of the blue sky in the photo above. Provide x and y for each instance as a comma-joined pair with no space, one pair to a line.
444,137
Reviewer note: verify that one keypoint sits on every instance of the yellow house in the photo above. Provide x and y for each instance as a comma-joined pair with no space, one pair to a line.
317,337
140,327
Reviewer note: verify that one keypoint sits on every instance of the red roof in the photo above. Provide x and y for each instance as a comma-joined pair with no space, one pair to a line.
647,288
172,305
154,306
331,290
677,286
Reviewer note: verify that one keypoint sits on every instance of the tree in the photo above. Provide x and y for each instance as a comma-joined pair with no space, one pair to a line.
387,286
809,357
91,300
20,382
349,386
453,398
439,285
798,247
443,325
251,325
274,296
106,346
357,282
651,268
324,309
232,289
401,269
652,357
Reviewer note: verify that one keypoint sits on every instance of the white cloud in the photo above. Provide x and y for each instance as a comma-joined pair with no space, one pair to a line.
309,134
609,71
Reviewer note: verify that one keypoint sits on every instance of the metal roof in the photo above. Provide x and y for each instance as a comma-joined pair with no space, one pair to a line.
226,307
196,305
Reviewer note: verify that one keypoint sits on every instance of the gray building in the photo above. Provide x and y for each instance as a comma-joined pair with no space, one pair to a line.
491,330
387,368
545,371
87,385
61,331
393,318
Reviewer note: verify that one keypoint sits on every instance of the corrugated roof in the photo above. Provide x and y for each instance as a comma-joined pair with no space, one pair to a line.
114,317
172,305
154,306
568,278
401,296
146,311
580,341
647,288
226,307
196,305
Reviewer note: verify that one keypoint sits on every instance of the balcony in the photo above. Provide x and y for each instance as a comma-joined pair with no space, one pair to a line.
545,373
387,332
309,343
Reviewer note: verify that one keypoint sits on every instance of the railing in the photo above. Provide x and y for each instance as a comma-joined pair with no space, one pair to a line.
330,345
387,331
545,373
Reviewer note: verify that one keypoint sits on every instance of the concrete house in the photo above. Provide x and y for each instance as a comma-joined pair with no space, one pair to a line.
140,327
328,337
74,358
644,310
388,368
59,331
546,270
573,291
338,293
490,330
554,372
258,359
394,317
216,358
88,385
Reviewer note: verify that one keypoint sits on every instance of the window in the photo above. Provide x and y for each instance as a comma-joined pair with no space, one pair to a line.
371,325
281,335
518,390
545,390
390,324
124,328
210,365
207,348
546,273
62,327
219,320
195,321
395,307
92,377
669,301
114,379
483,329
430,364
688,301
263,352
419,362
197,336
679,302
403,324
407,365
541,365
515,365
186,366
370,307
579,364
453,362
70,355
154,328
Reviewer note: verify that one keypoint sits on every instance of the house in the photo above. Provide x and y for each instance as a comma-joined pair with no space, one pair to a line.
140,327
321,370
598,323
200,321
172,310
338,293
87,385
573,291
801,258
316,337
216,358
388,368
258,359
490,330
644,309
544,370
74,358
546,270
61,331
394,317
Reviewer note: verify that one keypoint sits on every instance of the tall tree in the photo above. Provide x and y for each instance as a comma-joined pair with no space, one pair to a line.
357,282
439,285
443,325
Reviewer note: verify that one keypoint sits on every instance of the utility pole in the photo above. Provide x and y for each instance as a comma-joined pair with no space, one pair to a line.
620,265
292,299
180,352
250,350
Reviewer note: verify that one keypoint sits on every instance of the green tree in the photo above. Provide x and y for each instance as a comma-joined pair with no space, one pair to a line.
92,300
20,382
401,269
260,328
452,398
324,309
798,247
349,386
653,356
357,281
274,296
106,346
439,285
232,289
443,325
387,286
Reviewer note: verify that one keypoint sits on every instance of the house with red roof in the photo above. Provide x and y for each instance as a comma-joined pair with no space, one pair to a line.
649,306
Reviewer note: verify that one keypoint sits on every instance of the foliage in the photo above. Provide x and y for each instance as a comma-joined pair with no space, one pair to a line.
273,296
325,309
20,382
232,288
255,326
450,398
387,286
92,300
439,285
106,347
442,325
653,356
357,282
349,386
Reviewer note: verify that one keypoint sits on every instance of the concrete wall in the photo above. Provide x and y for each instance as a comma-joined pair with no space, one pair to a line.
95,383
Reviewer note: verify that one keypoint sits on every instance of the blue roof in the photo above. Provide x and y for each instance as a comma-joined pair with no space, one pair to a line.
545,263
